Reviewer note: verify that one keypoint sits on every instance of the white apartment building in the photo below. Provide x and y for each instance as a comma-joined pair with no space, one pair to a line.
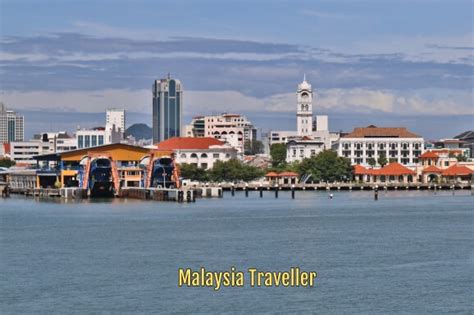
396,144
232,128
22,152
12,126
115,118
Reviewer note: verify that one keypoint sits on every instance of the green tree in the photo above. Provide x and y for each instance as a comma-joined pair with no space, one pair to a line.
253,147
278,154
461,158
326,166
372,162
234,170
192,172
382,160
6,162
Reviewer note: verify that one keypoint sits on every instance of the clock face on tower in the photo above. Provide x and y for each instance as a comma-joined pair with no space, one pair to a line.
305,97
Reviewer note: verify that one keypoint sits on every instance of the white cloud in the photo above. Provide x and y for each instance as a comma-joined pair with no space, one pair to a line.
204,102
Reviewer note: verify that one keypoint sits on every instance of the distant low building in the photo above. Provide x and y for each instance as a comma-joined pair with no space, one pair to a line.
88,138
468,141
202,152
396,144
301,148
23,152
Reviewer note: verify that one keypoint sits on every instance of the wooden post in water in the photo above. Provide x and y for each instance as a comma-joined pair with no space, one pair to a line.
376,192
232,189
293,191
246,190
261,190
276,190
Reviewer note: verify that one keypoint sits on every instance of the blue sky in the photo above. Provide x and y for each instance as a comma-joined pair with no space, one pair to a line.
368,61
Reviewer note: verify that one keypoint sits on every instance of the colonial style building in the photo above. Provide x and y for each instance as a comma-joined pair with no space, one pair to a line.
396,144
311,136
232,128
202,152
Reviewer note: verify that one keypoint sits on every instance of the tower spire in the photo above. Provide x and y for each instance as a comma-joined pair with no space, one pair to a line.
304,76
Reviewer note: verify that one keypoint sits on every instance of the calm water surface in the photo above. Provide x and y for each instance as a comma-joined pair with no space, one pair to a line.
409,252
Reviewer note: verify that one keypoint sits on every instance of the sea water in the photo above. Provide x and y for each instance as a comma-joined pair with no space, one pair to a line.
410,251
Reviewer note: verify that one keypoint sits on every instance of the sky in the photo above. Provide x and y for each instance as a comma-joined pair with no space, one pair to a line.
387,63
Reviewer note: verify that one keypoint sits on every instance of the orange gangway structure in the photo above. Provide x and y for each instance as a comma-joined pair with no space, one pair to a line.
95,155
153,157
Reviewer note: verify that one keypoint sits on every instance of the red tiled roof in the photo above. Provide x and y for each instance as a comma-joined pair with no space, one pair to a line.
271,174
393,169
432,169
377,132
429,155
180,143
288,174
457,170
360,170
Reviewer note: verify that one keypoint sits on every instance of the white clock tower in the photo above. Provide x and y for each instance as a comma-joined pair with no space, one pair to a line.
304,112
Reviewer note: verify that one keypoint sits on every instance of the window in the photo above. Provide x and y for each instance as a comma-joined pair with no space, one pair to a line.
204,156
80,142
101,140
194,155
183,155
215,155
87,142
94,141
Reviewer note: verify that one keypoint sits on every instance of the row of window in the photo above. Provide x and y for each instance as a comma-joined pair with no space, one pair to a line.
89,141
381,146
203,155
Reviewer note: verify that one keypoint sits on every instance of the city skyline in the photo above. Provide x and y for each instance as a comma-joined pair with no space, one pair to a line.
369,62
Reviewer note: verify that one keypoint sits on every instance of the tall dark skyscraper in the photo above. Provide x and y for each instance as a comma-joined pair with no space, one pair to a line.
167,109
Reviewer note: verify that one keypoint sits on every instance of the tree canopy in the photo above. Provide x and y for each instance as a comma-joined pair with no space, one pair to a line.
326,166
228,171
6,162
278,154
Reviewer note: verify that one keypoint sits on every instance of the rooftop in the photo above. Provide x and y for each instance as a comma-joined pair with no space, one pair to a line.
180,143
381,132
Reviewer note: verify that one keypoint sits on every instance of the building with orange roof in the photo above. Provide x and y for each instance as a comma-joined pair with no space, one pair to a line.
391,173
396,144
283,178
457,173
202,152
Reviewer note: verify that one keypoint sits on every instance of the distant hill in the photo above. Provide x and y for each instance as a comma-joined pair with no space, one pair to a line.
139,131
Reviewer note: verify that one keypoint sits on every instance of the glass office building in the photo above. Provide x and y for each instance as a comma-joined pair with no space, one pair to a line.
167,109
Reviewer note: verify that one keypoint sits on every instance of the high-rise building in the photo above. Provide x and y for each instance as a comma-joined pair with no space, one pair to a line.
114,125
116,117
12,126
167,109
